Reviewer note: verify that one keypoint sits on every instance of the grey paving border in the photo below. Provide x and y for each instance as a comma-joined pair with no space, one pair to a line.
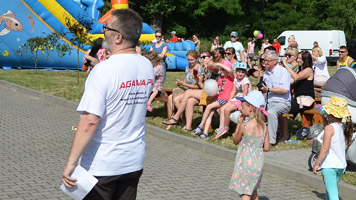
346,190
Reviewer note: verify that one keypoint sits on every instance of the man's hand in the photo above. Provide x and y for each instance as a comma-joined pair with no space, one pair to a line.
66,179
87,57
264,88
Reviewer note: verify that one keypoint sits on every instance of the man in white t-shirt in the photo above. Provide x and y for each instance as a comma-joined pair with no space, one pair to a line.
110,136
239,49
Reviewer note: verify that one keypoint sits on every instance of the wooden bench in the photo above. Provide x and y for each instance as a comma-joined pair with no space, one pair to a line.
307,115
164,98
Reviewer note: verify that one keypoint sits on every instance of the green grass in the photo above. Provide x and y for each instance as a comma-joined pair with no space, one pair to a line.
64,84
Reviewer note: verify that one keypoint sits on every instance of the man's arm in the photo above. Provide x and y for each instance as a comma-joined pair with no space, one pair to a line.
87,126
351,60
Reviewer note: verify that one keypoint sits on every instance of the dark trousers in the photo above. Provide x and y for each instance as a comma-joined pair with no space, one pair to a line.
120,187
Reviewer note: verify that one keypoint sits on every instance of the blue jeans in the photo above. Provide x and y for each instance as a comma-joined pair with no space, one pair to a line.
332,177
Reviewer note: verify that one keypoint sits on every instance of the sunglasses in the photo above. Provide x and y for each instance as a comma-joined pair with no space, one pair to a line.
203,57
287,55
342,51
228,53
158,36
106,28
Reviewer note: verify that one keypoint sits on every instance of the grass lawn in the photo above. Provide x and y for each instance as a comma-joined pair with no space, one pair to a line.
64,84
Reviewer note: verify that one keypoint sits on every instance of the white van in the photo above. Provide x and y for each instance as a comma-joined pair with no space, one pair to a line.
329,41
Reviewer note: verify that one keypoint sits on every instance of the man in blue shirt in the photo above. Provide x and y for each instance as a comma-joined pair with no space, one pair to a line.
277,88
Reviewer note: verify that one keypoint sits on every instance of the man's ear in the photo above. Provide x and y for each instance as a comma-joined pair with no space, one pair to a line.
118,38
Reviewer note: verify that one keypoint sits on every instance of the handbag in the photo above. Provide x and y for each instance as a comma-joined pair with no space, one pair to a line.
306,101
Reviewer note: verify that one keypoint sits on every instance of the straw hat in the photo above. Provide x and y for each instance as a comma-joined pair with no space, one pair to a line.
337,107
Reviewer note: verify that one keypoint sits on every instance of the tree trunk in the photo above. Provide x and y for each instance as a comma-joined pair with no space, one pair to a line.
156,23
78,62
36,61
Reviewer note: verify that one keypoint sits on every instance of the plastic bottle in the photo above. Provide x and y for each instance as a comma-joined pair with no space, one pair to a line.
321,110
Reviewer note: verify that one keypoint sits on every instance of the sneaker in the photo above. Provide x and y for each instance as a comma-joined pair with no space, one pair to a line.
302,132
203,136
221,132
149,107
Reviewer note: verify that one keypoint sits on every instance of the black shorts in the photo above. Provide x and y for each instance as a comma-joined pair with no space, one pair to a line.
123,187
158,94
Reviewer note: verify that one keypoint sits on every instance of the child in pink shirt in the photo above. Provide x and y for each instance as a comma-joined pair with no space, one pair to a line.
241,89
226,85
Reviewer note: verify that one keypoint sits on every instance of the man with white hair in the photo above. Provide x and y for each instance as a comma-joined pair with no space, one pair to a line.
277,88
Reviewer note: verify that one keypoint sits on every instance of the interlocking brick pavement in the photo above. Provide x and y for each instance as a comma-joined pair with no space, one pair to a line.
35,140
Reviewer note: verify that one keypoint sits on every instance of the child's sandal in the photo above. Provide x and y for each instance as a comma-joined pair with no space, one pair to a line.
203,136
197,131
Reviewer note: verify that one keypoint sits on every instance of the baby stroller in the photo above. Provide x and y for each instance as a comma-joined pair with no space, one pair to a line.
342,84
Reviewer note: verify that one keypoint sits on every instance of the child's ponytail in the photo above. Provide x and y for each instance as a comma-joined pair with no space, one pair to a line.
260,117
348,132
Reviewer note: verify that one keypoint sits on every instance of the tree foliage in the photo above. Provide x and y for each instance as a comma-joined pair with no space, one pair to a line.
271,17
44,44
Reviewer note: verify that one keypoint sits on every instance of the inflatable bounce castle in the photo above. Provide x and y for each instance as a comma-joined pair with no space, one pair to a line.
21,20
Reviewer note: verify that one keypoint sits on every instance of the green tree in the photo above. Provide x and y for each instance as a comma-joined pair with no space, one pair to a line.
45,44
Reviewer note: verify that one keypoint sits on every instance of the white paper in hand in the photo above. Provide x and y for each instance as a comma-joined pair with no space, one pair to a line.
85,182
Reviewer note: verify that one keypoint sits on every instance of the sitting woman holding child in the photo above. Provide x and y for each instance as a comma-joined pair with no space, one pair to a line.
194,75
194,97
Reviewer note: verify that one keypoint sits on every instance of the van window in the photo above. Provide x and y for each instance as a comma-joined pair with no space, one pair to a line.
282,40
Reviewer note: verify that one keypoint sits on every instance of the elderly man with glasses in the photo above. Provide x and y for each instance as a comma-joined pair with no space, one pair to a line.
277,87
110,136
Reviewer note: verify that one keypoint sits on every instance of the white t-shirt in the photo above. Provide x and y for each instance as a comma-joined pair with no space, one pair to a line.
117,91
239,84
237,46
321,67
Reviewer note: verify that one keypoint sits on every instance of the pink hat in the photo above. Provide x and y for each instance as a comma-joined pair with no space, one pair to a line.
227,63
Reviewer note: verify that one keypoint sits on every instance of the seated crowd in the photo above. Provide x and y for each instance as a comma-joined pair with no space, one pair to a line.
287,83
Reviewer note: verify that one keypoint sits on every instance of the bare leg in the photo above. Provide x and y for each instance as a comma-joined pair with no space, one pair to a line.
153,95
222,115
245,197
196,94
211,107
208,122
177,100
170,102
254,195
229,108
189,112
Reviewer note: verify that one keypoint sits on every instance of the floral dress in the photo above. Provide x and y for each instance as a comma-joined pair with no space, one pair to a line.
248,169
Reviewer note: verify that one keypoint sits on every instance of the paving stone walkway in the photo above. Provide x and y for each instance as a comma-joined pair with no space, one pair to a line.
35,138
